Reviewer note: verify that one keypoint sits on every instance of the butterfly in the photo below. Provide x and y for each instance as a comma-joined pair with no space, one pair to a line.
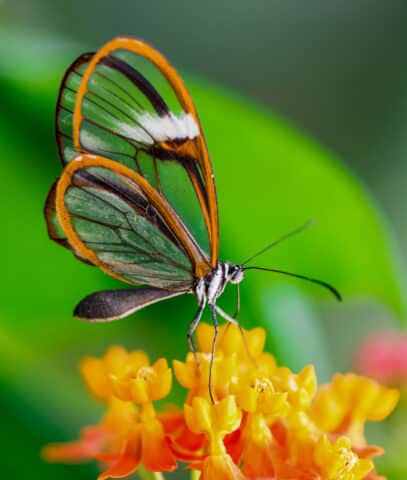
138,189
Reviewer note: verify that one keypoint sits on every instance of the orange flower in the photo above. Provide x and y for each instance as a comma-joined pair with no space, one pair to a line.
267,422
109,436
92,439
254,445
145,443
128,435
186,445
337,460
97,372
142,384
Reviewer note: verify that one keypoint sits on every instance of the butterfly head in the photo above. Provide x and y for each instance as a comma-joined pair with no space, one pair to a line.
235,273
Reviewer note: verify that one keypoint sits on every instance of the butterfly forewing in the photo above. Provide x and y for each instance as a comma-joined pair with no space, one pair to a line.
131,107
116,220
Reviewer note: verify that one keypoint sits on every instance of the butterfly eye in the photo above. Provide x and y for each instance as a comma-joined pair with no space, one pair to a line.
236,274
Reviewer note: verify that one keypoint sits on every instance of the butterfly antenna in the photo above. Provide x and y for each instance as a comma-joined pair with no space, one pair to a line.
279,240
332,289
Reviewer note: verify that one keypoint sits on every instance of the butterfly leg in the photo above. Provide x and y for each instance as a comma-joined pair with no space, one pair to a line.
192,326
212,308
226,316
237,311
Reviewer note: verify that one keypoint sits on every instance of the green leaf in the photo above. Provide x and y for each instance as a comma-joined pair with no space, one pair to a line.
286,310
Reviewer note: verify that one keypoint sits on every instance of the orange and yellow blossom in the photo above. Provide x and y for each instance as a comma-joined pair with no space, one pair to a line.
97,372
130,433
343,406
266,423
337,460
262,406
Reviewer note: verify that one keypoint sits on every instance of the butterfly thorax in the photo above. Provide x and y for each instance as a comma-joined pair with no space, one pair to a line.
209,288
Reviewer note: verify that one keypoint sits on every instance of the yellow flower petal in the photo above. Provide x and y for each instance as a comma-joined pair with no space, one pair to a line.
140,391
198,416
185,372
220,418
227,415
114,358
161,387
94,375
384,404
120,387
247,397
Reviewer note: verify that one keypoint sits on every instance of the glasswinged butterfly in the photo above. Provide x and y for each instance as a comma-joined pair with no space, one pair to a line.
135,159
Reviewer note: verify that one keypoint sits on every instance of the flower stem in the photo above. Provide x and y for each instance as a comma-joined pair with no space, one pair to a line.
144,474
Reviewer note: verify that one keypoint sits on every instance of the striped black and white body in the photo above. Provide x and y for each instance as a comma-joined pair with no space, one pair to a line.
209,288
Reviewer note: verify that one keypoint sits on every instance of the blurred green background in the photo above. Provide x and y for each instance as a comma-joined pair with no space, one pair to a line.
272,81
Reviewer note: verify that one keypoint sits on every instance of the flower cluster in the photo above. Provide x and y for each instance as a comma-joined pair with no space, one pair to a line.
266,422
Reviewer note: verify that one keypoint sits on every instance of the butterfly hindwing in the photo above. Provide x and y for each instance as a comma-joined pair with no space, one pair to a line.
113,218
